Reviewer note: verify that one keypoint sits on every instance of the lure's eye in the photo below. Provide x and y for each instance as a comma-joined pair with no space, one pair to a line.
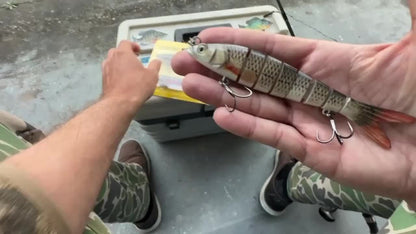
201,48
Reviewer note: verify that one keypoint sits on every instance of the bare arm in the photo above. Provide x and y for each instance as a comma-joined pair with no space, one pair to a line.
71,164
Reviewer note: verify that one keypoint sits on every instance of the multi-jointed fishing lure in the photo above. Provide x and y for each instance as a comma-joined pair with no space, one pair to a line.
269,75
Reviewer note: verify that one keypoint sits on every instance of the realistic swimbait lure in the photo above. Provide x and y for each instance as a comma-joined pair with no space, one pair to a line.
268,75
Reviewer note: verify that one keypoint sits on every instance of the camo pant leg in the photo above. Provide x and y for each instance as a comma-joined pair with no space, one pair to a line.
307,186
125,194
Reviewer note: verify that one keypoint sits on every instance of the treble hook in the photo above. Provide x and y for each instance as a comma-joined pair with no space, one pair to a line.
225,83
335,132
194,41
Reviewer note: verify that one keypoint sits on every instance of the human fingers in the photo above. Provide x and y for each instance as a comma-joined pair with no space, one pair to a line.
412,8
290,138
183,63
319,59
154,65
129,46
275,134
104,66
289,49
210,91
111,52
260,105
292,50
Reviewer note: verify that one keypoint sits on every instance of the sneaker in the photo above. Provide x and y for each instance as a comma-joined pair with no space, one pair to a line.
371,222
31,134
133,152
273,194
327,214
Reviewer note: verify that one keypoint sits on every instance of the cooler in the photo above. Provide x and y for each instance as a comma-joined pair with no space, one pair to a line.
167,119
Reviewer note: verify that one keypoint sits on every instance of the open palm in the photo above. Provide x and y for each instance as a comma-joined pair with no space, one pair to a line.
381,75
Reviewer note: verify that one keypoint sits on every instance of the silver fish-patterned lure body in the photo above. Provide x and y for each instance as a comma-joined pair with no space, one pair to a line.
269,75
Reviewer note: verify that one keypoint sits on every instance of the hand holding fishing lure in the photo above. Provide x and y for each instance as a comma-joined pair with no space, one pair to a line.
293,80
269,75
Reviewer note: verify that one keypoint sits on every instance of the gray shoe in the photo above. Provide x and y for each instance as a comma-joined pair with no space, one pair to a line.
133,152
273,194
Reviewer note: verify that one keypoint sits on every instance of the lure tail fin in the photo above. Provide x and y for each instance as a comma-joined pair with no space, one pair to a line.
375,133
369,118
395,117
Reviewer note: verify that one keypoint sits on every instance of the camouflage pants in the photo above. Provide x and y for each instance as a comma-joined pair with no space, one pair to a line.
307,186
124,196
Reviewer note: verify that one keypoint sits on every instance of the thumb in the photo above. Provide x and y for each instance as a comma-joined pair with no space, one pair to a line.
155,65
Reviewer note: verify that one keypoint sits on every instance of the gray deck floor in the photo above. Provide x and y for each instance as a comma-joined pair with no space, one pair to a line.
50,59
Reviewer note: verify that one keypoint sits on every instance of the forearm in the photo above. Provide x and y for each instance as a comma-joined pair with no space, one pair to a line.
71,164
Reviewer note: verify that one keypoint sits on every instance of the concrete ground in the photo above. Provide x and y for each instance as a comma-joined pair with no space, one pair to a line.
51,52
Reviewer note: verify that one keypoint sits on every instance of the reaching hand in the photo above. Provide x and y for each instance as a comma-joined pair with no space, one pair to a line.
125,77
383,75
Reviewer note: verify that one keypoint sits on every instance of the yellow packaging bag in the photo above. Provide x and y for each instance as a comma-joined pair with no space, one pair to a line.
170,83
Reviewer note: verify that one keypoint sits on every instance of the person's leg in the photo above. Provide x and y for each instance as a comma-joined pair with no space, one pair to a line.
291,181
307,186
126,195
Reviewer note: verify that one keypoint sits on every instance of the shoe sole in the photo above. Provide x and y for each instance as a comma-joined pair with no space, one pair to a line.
262,198
159,218
159,210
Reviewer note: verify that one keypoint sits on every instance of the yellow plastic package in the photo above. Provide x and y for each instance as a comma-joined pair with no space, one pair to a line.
170,83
